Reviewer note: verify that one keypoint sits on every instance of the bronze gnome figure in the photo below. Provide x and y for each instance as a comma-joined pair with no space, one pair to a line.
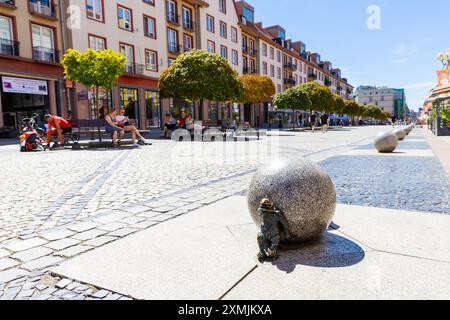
274,228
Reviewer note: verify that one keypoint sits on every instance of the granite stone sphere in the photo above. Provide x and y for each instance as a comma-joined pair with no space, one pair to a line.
301,190
401,134
386,142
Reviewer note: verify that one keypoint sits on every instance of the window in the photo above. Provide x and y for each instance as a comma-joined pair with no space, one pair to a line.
94,9
265,68
171,11
272,53
272,71
187,19
223,6
210,23
223,29
170,61
252,66
223,52
97,43
234,35
248,15
149,27
279,73
43,43
188,42
6,37
234,57
151,60
125,18
211,46
172,39
151,2
244,44
279,88
128,52
264,50
278,56
252,46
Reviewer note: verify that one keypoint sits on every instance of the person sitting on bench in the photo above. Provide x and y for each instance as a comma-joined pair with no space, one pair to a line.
170,124
113,128
124,122
57,126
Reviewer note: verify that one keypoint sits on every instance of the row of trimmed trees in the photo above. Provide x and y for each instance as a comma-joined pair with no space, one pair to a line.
314,96
198,76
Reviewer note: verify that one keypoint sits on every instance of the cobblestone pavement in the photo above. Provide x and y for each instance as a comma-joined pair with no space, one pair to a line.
58,205
414,183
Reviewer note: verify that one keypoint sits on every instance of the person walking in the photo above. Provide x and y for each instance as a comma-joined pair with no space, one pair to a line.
313,121
324,120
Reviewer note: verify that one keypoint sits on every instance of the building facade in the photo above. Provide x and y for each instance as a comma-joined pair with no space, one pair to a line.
151,34
387,99
31,78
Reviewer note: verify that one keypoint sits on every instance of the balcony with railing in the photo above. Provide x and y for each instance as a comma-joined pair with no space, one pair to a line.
288,65
188,25
174,48
8,4
173,18
9,48
41,9
252,51
290,81
45,54
134,68
312,76
245,49
247,70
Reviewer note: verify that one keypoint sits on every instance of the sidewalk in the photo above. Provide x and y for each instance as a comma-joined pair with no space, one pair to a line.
211,254
441,148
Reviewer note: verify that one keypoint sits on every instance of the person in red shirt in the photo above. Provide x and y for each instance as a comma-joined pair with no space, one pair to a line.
182,121
57,126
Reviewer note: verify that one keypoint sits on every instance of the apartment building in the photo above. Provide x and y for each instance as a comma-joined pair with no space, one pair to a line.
221,34
30,49
151,34
383,97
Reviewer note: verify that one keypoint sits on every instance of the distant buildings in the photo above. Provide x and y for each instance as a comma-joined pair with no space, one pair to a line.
387,99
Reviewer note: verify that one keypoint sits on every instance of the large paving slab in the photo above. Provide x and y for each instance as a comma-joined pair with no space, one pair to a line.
378,276
192,257
410,233
369,253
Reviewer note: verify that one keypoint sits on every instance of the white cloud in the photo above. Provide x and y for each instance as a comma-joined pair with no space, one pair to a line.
403,50
400,61
403,53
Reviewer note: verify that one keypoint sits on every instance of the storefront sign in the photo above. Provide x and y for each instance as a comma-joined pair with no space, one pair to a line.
443,78
21,85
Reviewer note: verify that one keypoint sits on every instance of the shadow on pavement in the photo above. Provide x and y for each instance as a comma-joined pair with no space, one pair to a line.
329,251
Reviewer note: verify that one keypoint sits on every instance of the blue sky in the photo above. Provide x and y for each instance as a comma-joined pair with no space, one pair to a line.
402,54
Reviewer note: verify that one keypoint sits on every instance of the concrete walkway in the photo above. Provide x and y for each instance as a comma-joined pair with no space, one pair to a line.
441,148
210,254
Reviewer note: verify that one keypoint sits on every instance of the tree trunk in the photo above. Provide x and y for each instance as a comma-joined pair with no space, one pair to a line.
97,109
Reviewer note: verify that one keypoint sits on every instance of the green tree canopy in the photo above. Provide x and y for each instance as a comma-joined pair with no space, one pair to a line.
94,69
200,75
320,96
294,98
351,108
257,88
339,104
